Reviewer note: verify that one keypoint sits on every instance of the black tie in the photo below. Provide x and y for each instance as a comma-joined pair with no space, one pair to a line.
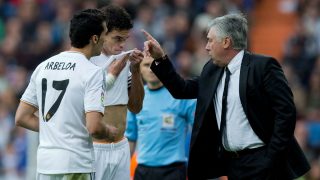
224,107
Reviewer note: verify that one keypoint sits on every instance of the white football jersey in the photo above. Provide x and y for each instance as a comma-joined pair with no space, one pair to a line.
64,88
118,93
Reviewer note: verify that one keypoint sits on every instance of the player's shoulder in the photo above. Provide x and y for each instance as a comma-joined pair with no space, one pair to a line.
99,60
81,61
88,64
91,69
96,58
44,63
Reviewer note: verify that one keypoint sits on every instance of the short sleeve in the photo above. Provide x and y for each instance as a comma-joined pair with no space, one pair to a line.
30,94
132,129
94,93
190,110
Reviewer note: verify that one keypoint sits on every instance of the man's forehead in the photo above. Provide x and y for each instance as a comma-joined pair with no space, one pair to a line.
211,34
120,33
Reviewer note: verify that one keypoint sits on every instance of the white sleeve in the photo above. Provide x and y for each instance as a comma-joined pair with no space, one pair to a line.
30,94
94,92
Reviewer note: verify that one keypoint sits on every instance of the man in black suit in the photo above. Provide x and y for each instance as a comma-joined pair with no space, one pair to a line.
245,115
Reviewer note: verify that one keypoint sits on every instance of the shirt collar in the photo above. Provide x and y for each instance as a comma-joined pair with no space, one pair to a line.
236,61
106,56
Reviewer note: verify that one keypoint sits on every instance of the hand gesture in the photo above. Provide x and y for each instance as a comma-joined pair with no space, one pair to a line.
152,47
117,65
135,58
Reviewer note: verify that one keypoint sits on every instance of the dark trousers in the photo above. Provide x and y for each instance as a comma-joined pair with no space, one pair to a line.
175,171
255,166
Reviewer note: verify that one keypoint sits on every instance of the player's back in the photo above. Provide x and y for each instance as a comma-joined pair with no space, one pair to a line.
67,86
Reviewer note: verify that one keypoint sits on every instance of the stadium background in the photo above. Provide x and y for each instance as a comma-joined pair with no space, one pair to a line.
33,30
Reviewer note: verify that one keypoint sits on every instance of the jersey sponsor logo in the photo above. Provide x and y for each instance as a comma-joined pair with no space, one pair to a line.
103,82
168,122
60,66
102,98
103,88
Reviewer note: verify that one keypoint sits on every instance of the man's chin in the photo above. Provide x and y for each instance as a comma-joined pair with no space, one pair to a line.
217,63
117,52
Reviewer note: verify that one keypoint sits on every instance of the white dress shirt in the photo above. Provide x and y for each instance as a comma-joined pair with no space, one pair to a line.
240,134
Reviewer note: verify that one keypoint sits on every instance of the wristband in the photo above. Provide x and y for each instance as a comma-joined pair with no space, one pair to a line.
109,80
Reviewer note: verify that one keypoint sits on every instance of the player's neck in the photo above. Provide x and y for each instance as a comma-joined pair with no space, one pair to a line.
82,51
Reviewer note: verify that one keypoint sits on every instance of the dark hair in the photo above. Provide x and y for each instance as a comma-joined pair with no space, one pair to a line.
118,18
84,25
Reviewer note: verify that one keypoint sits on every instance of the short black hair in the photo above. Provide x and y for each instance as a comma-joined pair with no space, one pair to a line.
118,18
84,24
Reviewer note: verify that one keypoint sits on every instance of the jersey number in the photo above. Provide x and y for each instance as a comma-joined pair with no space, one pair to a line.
58,85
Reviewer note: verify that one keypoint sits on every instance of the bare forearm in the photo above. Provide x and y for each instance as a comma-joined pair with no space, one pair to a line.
100,133
104,132
30,122
97,128
136,92
25,117
107,133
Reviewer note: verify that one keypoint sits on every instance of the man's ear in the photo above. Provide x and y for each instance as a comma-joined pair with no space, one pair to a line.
227,42
95,39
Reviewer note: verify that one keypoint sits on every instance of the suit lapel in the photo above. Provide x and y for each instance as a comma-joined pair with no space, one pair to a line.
209,83
243,81
215,79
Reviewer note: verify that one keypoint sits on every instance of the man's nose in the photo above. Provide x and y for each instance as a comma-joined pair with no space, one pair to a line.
207,47
122,45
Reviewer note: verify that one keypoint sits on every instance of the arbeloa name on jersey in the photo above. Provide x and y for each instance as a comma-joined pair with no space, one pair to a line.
60,66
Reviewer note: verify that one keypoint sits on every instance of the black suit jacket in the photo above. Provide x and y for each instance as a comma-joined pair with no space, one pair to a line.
267,102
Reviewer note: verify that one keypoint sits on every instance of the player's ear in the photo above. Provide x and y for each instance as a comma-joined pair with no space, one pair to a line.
95,39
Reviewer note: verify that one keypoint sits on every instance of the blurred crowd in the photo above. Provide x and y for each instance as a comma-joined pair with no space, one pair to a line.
33,30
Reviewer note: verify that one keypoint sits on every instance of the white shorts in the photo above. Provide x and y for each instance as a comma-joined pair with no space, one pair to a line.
112,160
71,176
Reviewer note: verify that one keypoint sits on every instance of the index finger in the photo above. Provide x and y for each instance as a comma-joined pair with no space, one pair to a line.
148,36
